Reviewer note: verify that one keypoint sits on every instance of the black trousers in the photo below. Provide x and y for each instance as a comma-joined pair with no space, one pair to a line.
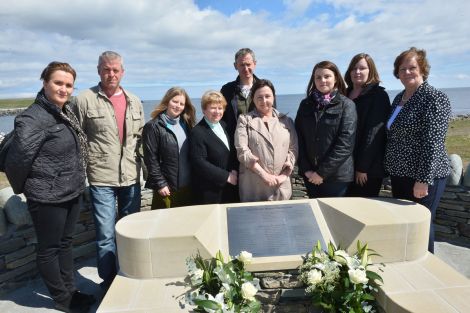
326,190
55,226
370,189
402,188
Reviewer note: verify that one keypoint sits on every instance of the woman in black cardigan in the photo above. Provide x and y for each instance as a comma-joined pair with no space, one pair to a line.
213,158
373,110
415,155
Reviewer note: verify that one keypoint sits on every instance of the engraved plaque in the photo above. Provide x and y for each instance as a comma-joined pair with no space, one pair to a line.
272,230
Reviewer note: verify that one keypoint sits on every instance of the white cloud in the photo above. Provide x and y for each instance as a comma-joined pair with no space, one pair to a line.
297,7
171,42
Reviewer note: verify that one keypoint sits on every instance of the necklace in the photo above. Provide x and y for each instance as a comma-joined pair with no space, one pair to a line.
404,99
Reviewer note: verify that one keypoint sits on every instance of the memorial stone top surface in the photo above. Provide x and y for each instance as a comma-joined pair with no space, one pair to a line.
272,229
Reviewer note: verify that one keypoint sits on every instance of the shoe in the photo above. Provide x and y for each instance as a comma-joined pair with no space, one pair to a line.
72,309
84,298
62,307
105,284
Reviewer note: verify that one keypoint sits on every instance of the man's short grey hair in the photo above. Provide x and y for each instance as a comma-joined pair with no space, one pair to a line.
244,51
110,55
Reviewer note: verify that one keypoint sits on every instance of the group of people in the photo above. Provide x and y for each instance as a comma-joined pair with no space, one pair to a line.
346,137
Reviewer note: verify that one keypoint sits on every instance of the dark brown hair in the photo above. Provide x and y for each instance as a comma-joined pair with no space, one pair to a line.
57,66
260,83
339,84
373,77
419,54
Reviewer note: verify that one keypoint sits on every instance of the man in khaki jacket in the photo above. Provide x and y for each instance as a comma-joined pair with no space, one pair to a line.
112,119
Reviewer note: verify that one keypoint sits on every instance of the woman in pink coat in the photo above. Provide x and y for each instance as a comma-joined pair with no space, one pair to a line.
267,149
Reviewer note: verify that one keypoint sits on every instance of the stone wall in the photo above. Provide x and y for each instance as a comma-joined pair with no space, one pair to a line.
18,240
453,216
282,292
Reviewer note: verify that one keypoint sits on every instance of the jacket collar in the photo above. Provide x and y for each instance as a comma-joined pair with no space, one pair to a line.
102,93
255,78
46,104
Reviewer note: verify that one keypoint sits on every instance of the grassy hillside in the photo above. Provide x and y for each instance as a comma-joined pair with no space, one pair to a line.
15,103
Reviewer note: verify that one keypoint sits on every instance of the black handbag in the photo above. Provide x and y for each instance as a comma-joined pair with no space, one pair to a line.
4,147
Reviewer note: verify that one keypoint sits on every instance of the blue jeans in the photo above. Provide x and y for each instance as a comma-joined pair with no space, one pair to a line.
103,200
402,188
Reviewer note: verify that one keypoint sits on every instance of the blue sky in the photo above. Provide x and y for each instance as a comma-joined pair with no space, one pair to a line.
192,43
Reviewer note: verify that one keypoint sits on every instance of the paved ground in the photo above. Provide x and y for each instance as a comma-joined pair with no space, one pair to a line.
34,296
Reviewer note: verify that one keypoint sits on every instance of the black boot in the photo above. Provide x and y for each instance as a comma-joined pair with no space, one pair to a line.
80,297
72,307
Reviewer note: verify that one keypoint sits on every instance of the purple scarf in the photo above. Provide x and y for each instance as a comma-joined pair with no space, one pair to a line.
322,100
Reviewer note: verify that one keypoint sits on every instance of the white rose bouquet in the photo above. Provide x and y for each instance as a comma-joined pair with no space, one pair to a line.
219,287
338,282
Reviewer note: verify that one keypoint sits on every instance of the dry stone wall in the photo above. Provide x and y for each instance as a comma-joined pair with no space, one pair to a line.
18,239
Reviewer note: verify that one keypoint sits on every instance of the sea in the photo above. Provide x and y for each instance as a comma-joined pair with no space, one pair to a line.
288,104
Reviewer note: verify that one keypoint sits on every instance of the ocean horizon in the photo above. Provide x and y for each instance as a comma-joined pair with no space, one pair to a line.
288,104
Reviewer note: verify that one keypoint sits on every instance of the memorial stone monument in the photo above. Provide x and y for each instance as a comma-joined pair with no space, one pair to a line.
153,246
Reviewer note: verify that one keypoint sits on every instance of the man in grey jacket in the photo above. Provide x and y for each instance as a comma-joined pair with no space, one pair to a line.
113,119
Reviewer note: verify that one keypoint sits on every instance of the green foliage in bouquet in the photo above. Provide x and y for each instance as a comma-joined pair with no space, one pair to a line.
338,282
219,287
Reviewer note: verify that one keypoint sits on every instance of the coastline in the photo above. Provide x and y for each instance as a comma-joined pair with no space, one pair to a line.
11,111
15,111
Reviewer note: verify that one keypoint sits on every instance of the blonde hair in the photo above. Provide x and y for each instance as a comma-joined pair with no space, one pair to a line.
212,96
188,114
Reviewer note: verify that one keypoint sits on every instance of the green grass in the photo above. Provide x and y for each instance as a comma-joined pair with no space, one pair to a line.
15,103
458,140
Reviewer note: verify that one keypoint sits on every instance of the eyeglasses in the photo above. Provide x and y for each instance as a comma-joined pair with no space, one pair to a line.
412,69
360,69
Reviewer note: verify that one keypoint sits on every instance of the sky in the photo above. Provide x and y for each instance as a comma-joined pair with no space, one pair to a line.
192,44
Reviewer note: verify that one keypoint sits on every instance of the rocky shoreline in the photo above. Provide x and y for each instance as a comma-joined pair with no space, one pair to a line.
12,111
460,117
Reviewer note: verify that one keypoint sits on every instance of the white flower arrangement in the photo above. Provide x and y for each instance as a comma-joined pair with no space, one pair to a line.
338,282
219,287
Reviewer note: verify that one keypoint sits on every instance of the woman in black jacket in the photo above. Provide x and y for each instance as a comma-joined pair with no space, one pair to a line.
373,109
46,162
326,126
166,150
214,166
